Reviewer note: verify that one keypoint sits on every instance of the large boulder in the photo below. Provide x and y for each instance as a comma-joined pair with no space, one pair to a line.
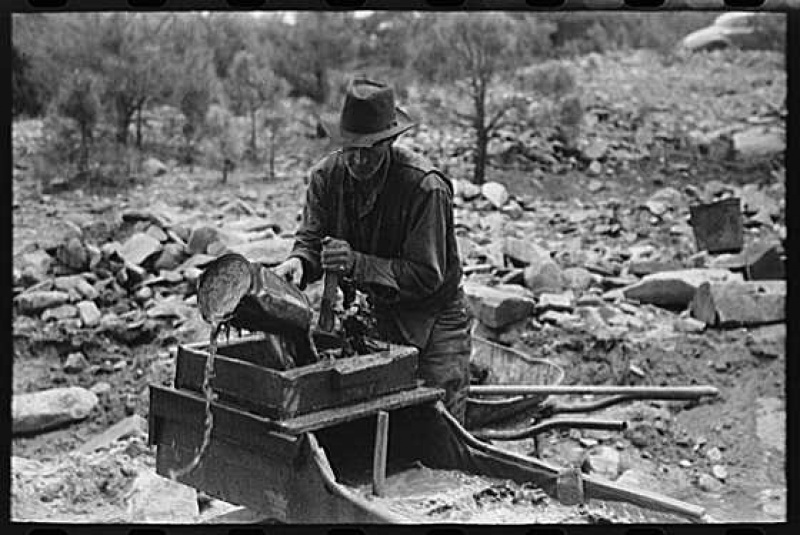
155,499
139,248
46,409
495,307
496,193
674,289
739,303
524,252
34,266
32,303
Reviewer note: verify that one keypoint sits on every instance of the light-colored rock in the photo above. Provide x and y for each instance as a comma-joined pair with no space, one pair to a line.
139,248
595,168
544,276
77,284
562,302
768,341
756,142
714,455
577,278
60,313
720,472
740,303
561,319
58,232
689,325
46,409
771,424
157,232
154,499
524,252
675,288
34,266
639,479
496,193
170,258
100,389
75,363
497,308
32,303
709,483
132,425
469,191
604,461
269,252
154,167
89,313
73,254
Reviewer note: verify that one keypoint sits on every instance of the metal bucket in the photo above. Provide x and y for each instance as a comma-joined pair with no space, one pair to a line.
718,226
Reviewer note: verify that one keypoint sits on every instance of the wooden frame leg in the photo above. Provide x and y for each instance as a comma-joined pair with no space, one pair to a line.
379,456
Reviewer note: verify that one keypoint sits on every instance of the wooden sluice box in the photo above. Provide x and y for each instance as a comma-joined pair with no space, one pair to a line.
294,445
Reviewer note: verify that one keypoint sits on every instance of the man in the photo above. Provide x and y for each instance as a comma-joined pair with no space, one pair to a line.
383,217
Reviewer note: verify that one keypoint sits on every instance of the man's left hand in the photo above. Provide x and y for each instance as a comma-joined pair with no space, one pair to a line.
337,255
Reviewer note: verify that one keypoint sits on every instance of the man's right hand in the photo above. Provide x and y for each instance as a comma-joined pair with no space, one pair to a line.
291,269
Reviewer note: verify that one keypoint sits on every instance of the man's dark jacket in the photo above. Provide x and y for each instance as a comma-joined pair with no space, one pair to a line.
402,232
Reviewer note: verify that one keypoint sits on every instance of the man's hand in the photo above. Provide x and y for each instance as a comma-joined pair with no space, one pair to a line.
337,255
291,269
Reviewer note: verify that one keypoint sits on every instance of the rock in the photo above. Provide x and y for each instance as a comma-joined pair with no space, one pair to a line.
524,252
469,191
674,289
604,461
172,307
595,186
513,210
201,238
60,313
46,409
73,254
196,261
139,248
595,149
708,483
689,325
638,479
89,313
497,308
100,389
771,424
544,276
154,167
132,425
756,142
577,278
720,472
496,193
756,201
643,268
75,363
157,232
143,294
758,261
714,455
641,434
192,274
595,168
154,499
32,303
170,258
562,302
34,266
561,319
768,341
77,284
740,303
684,463
58,233
269,252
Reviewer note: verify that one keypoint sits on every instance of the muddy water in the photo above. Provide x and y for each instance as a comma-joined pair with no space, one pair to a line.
447,496
208,391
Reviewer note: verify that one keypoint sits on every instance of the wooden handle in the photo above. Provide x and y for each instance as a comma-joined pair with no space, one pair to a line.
379,457
330,283
653,392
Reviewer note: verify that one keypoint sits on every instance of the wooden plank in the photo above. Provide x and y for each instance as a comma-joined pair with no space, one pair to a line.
338,415
653,392
379,456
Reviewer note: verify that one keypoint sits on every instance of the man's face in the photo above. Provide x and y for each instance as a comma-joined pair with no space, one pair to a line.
363,163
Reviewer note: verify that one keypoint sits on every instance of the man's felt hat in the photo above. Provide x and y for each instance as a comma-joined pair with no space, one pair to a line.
369,114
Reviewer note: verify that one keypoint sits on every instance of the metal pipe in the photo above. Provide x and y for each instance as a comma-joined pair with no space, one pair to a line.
650,392
556,423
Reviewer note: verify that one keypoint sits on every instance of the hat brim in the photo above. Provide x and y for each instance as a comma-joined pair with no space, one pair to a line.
352,139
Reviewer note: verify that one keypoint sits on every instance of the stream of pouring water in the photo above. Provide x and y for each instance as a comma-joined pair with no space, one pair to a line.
208,376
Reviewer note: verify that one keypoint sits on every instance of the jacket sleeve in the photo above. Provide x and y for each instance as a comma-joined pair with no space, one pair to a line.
313,227
420,268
